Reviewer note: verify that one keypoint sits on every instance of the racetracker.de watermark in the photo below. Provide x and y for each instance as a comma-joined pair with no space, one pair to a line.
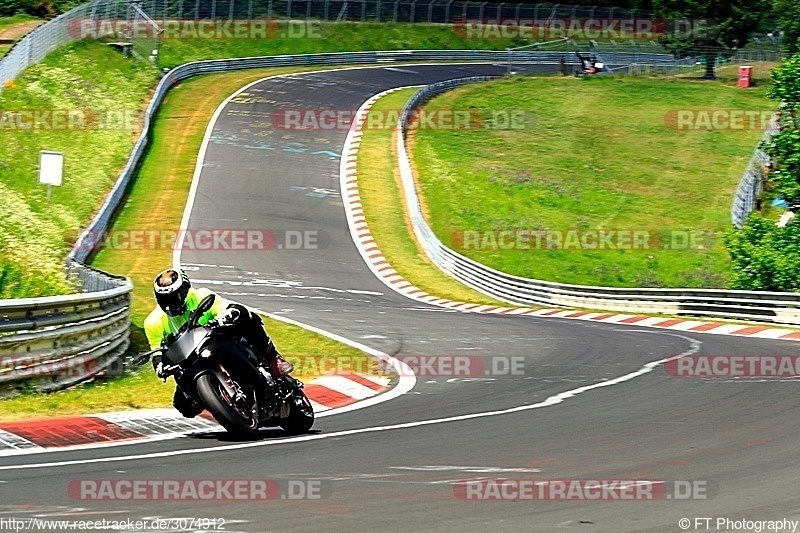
172,29
198,489
130,525
718,119
502,489
387,119
26,366
447,366
12,120
733,366
215,239
581,240
549,29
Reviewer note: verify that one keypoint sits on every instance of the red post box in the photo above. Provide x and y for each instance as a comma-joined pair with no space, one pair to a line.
745,76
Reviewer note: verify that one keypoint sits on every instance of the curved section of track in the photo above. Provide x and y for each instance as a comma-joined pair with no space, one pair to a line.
592,402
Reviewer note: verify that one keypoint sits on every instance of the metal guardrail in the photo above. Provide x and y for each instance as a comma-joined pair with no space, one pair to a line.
54,342
51,343
778,307
66,28
99,225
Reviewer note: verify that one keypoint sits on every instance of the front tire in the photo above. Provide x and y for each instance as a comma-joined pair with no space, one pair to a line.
235,416
301,415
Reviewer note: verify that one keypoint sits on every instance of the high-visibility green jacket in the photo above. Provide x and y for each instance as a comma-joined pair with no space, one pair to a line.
158,325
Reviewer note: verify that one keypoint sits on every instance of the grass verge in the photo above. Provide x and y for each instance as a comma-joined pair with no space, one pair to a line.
592,154
61,105
380,187
18,20
156,202
90,77
319,37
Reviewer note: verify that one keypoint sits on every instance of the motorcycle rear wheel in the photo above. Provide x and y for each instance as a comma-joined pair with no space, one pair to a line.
235,416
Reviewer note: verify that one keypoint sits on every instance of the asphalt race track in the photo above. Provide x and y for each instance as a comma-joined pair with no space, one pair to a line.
586,404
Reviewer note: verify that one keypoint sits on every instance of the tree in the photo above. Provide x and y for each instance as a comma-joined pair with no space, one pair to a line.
708,27
765,256
784,147
787,13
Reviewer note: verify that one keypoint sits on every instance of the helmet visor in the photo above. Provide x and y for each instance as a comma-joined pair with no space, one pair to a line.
174,303
171,289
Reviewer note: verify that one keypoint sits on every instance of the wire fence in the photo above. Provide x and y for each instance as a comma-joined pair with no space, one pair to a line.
86,19
415,11
745,200
111,15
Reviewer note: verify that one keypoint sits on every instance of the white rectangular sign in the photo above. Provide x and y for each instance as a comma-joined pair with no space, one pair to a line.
51,167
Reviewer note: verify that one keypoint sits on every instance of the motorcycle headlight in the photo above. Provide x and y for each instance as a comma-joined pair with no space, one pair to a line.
205,353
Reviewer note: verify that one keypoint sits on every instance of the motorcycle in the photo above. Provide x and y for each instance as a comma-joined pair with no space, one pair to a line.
222,374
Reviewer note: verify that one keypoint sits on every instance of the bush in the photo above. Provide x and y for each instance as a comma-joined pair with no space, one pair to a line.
765,257
784,147
38,8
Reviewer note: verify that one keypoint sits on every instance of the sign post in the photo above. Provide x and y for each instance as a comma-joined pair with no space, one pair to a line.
51,169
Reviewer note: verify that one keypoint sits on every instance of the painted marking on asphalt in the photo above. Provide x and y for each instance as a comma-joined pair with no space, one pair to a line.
686,325
706,326
727,329
551,401
325,396
396,69
318,407
371,382
69,431
772,333
378,380
14,441
154,422
473,469
345,386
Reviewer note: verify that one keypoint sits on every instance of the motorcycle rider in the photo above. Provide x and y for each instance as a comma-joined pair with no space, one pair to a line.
176,301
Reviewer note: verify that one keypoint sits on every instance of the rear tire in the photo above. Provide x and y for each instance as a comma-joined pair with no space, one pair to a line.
301,415
233,416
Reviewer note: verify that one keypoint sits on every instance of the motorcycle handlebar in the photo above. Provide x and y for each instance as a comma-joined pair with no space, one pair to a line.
142,357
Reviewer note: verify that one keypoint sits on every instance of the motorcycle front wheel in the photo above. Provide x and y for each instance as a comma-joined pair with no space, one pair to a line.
236,416
301,414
